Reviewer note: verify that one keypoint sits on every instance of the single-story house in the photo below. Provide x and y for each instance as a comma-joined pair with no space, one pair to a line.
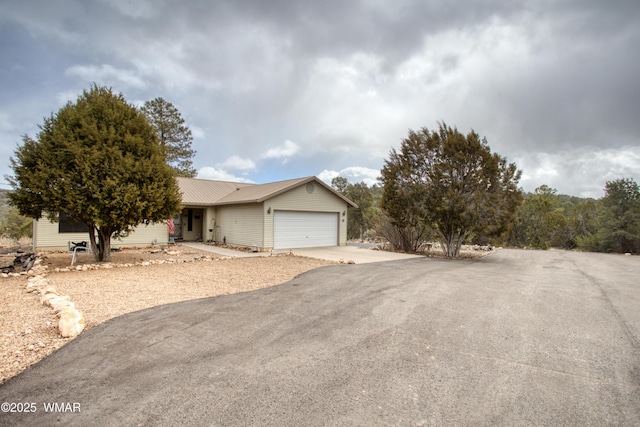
296,213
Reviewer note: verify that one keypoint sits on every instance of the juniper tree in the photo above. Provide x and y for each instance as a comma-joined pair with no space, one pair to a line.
452,183
99,161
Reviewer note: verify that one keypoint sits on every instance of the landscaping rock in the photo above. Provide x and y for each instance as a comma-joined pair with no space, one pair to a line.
45,298
58,300
60,304
48,289
71,323
36,282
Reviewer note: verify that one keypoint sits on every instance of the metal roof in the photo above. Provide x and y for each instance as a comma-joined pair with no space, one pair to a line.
204,192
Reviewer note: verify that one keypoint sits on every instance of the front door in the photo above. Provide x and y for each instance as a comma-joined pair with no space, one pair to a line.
192,224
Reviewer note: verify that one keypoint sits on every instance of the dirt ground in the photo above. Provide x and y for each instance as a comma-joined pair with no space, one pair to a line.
140,278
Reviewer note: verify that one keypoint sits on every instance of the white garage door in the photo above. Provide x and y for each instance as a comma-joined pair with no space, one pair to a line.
304,229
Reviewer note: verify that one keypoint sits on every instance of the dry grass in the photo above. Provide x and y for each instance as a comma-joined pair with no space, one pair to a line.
8,242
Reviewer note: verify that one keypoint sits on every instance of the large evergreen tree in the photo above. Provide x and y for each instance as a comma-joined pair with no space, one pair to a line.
451,182
175,137
99,161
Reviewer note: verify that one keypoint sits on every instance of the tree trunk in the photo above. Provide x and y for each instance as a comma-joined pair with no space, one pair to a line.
92,242
445,242
451,242
104,245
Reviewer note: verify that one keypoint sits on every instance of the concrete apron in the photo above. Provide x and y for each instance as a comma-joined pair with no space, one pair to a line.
352,253
331,253
223,251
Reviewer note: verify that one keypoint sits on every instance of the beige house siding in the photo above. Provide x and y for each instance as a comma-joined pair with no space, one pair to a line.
145,235
241,224
307,197
48,237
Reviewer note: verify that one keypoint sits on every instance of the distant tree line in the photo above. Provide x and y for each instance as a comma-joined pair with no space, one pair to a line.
609,224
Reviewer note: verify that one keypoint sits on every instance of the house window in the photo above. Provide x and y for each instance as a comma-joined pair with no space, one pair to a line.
190,220
66,224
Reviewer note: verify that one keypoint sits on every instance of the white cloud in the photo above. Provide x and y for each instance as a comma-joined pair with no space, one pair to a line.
327,175
284,150
353,174
238,163
107,75
580,172
208,172
197,132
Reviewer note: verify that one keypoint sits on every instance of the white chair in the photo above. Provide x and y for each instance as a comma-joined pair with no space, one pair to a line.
76,248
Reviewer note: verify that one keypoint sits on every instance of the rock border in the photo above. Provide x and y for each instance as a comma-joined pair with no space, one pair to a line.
108,265
71,320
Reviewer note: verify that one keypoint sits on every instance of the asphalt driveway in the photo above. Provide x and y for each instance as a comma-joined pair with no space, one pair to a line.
515,338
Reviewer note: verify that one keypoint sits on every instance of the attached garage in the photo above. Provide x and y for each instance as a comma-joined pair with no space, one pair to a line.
292,229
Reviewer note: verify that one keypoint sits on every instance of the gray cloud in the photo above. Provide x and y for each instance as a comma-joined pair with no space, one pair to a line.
543,81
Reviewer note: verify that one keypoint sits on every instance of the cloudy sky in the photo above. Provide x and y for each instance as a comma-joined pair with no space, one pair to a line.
282,89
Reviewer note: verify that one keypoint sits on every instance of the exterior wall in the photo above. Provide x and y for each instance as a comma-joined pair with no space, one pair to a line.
241,224
48,237
304,198
144,235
